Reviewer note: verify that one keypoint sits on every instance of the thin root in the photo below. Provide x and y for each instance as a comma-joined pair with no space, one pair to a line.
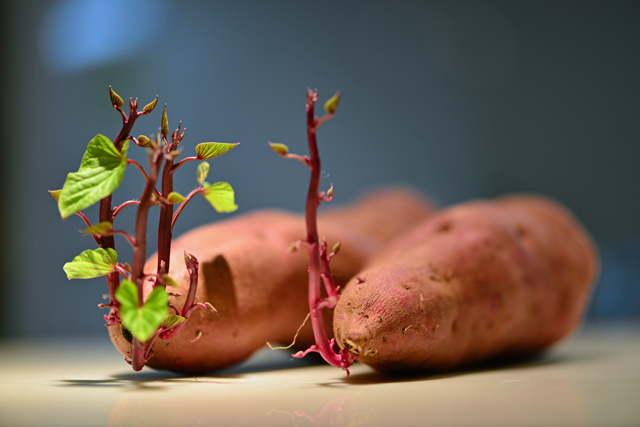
294,338
197,337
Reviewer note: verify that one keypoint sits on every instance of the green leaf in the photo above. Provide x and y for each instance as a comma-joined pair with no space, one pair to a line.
279,148
332,103
143,321
174,197
127,296
116,101
92,263
101,172
209,150
169,281
55,194
101,228
220,195
172,320
203,172
165,122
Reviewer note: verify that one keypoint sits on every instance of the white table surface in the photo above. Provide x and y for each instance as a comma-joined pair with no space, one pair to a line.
592,379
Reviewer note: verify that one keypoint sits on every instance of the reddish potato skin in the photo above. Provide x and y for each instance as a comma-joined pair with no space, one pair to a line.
483,279
257,285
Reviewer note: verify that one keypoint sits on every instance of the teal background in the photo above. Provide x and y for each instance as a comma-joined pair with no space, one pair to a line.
459,100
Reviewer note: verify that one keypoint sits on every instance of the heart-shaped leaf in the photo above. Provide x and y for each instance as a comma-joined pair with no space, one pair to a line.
101,172
221,196
143,321
92,263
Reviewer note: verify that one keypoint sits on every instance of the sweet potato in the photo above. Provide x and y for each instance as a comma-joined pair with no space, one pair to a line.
258,287
484,279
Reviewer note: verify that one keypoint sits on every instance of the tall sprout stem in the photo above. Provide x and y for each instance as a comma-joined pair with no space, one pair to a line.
140,249
165,226
319,271
106,211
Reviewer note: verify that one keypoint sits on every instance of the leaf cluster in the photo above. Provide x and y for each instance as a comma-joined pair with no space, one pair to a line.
101,172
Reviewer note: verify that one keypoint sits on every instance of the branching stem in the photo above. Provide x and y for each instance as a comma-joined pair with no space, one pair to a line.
162,151
319,270
182,162
165,223
106,213
183,204
117,210
140,250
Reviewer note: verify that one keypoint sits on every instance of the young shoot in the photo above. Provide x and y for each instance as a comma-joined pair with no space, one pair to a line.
319,257
100,173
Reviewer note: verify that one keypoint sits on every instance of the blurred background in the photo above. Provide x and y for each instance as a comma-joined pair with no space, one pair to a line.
456,99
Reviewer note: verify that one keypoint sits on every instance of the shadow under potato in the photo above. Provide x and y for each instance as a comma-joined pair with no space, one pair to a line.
267,361
247,367
538,359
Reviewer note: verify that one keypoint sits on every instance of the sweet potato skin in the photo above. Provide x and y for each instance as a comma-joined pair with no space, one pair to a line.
483,279
257,285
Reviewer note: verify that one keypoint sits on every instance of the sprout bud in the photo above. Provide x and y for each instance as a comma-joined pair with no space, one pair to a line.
116,101
332,103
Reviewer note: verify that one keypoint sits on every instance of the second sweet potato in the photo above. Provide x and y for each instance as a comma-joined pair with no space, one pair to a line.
479,280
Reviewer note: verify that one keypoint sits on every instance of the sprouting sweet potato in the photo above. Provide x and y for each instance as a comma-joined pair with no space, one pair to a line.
257,285
479,280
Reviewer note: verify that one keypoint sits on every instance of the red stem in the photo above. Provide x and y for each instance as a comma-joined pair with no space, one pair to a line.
189,304
140,250
106,213
129,237
140,168
182,162
137,354
183,204
117,210
192,267
327,278
317,268
165,229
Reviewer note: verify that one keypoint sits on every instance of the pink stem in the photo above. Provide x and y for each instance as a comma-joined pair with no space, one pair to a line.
182,162
117,210
318,261
165,228
183,204
106,213
327,277
96,238
192,267
140,251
